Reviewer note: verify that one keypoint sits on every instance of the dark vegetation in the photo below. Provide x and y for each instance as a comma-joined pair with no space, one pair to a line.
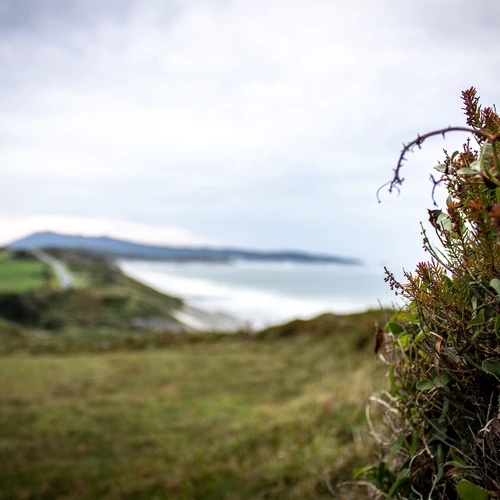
442,408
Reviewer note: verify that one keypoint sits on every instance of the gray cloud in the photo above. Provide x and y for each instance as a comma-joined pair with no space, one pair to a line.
28,16
265,123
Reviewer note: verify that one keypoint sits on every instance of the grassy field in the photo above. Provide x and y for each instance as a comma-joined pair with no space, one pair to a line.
92,407
232,418
20,275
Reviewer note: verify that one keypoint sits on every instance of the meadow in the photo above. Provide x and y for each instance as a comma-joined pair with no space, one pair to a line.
274,415
21,274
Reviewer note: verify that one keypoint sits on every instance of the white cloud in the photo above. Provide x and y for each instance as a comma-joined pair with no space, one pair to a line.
16,227
216,107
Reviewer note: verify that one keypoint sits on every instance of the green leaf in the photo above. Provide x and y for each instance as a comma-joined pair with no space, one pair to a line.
486,159
473,301
438,381
441,380
495,283
452,354
392,379
395,328
414,444
497,192
380,475
441,167
405,316
358,472
476,335
469,491
401,479
444,220
489,315
442,417
425,385
448,282
457,462
477,320
491,367
404,340
455,458
419,338
440,460
395,448
497,325
467,171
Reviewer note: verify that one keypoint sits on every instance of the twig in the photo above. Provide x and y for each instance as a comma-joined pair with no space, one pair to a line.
329,485
398,180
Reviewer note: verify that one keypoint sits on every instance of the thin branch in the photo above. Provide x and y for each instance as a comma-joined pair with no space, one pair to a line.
398,180
329,485
435,185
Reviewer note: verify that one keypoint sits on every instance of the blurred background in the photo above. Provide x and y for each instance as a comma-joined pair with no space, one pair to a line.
257,124
175,169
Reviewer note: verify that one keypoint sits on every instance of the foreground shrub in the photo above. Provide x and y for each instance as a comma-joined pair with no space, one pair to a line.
441,437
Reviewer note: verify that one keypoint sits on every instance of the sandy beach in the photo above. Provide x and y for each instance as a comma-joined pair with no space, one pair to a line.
197,319
191,318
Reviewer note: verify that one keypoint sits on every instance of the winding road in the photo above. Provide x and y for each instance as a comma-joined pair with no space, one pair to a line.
63,275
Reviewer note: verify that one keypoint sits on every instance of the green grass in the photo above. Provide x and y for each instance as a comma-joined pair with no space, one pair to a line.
20,275
103,297
234,418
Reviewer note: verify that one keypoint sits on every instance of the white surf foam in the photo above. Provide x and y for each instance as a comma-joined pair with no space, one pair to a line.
258,307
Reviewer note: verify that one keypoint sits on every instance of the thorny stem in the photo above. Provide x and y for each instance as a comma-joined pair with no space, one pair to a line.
398,180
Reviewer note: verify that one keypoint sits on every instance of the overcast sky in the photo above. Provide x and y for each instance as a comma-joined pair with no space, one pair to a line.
261,123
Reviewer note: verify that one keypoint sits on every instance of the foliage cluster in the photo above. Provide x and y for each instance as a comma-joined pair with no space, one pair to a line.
442,415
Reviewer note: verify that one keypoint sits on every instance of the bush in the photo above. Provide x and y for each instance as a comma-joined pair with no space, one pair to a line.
441,416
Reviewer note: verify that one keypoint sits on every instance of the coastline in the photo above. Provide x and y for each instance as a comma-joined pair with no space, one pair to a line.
255,296
193,318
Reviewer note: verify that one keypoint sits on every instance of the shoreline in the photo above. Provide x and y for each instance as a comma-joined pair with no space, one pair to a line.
198,319
193,318
247,307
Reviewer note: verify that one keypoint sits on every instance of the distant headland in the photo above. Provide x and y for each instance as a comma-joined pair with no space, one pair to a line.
114,248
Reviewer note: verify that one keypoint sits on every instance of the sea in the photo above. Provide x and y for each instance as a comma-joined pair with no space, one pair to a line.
266,293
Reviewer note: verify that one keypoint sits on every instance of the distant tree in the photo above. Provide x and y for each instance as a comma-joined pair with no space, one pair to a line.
23,255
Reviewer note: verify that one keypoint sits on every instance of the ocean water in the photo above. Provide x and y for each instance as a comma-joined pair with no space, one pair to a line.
262,294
